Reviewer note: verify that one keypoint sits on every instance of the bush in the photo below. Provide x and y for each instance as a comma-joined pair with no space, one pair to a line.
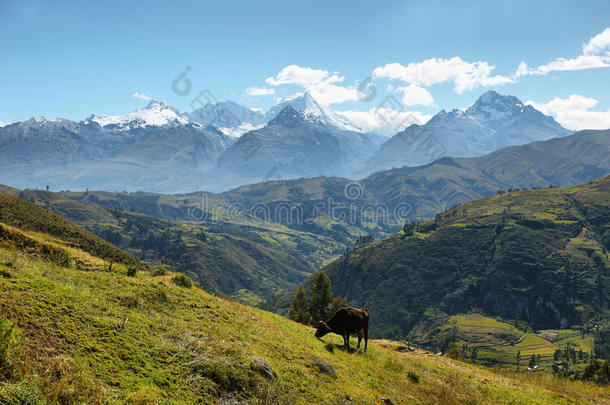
10,349
159,268
412,376
132,270
183,280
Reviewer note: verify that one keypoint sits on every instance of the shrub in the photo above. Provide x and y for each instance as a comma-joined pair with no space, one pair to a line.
10,349
413,377
183,280
159,268
132,270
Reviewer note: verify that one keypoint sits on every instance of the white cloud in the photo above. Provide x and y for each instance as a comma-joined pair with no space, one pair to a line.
598,43
328,93
574,112
385,121
294,74
319,83
259,91
465,75
415,95
141,96
593,57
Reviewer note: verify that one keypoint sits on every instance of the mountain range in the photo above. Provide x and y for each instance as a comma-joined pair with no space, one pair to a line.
225,145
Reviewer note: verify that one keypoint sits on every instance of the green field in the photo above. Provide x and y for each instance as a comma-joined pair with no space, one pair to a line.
499,341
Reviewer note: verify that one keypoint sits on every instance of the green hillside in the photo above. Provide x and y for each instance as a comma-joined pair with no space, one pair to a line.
248,261
538,257
16,212
93,334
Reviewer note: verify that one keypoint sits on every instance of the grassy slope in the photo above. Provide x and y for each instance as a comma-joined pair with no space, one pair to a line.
16,212
100,335
249,262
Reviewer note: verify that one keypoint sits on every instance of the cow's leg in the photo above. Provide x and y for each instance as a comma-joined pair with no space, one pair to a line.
366,337
359,339
347,340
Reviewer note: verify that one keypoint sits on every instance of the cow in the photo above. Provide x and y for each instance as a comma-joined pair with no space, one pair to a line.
347,320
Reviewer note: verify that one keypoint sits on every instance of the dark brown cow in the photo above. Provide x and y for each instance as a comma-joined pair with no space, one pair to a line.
346,321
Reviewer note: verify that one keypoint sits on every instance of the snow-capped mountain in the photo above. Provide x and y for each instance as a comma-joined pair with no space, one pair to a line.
155,149
312,110
229,117
492,122
294,144
155,114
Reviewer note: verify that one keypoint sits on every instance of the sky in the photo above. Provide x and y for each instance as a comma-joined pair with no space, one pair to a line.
72,59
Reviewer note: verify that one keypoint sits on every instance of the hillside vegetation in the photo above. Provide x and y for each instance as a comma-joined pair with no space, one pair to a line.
250,262
19,213
539,257
94,334
379,203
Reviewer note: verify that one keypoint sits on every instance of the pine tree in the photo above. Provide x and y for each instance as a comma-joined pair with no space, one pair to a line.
298,310
321,298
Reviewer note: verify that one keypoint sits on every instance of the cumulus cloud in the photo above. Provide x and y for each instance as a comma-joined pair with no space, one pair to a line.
598,44
465,75
141,96
321,84
259,91
385,121
595,54
415,95
294,74
574,112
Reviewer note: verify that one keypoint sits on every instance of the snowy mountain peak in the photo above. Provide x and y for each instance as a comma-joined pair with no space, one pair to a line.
156,113
314,111
288,115
231,118
492,106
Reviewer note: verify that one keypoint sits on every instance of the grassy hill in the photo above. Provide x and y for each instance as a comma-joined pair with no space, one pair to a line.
93,334
250,261
16,212
538,257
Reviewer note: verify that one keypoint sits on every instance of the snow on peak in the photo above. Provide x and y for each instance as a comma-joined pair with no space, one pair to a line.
493,106
314,111
156,113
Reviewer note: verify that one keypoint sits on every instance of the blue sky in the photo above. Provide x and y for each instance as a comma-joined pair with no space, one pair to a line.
71,59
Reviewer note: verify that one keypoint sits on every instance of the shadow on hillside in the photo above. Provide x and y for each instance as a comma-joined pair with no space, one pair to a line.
331,347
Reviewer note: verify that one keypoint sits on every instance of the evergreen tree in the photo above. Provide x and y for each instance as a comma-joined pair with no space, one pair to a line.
298,310
321,298
518,358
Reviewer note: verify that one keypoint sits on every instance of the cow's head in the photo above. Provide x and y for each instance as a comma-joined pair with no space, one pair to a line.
322,330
